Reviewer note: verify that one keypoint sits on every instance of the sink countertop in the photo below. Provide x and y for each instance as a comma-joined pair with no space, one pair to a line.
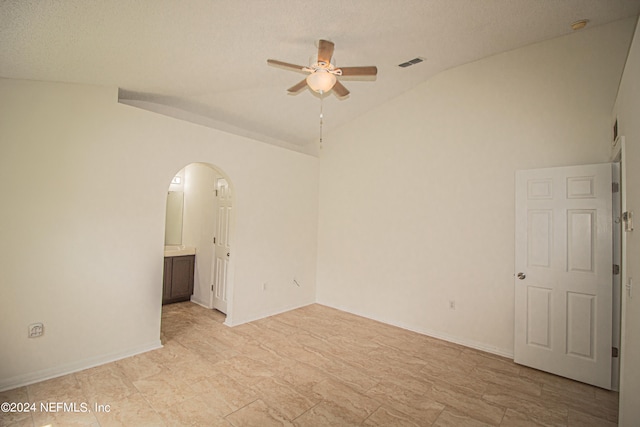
171,251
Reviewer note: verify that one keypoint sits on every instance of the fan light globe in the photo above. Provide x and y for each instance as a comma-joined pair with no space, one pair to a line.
321,81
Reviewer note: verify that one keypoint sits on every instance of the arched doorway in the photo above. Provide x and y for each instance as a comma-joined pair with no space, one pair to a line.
205,225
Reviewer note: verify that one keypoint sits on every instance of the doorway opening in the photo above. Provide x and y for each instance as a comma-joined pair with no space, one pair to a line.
199,224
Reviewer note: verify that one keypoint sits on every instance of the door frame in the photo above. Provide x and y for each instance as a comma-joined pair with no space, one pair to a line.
618,157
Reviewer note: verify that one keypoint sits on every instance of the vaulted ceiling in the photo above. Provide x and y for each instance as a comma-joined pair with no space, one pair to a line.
205,60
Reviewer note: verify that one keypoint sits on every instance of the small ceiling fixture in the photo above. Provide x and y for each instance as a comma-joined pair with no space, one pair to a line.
578,25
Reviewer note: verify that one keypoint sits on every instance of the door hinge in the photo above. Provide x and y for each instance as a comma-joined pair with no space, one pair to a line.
615,187
211,288
214,240
614,351
616,269
216,193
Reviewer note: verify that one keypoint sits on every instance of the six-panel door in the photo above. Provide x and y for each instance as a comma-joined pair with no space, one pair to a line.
563,298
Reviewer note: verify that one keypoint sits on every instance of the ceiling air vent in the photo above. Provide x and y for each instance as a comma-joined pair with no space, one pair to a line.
411,62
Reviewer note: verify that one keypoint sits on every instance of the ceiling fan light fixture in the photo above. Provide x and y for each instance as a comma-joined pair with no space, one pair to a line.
321,81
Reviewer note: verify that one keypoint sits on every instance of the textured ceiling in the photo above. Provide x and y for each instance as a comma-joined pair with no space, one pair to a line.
205,60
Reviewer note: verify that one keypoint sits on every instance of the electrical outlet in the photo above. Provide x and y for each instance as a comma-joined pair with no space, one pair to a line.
452,304
36,330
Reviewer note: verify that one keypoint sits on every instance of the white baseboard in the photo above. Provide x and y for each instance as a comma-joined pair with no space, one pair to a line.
233,323
58,371
465,342
434,334
200,303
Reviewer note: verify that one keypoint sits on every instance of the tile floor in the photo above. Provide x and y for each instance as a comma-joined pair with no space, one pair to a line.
314,366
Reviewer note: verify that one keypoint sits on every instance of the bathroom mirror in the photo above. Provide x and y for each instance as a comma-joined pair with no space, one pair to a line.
173,225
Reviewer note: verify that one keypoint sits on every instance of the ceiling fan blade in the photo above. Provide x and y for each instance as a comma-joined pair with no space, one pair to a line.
325,51
359,71
340,90
298,87
286,65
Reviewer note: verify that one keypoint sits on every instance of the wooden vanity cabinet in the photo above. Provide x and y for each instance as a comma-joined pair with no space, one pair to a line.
177,281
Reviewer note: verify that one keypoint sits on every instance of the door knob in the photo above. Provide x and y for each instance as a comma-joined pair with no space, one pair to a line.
228,253
521,276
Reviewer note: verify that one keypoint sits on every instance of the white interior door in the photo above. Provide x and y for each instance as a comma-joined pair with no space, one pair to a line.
222,245
563,283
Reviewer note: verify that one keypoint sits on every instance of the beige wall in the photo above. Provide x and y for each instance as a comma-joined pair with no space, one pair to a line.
82,224
627,111
417,196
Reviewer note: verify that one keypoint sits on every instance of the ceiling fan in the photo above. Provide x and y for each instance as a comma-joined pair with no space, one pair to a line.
323,74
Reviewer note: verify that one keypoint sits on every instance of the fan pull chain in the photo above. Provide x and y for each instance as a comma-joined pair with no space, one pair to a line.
321,117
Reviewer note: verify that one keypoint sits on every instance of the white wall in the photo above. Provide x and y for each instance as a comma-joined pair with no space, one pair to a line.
417,196
82,224
627,110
